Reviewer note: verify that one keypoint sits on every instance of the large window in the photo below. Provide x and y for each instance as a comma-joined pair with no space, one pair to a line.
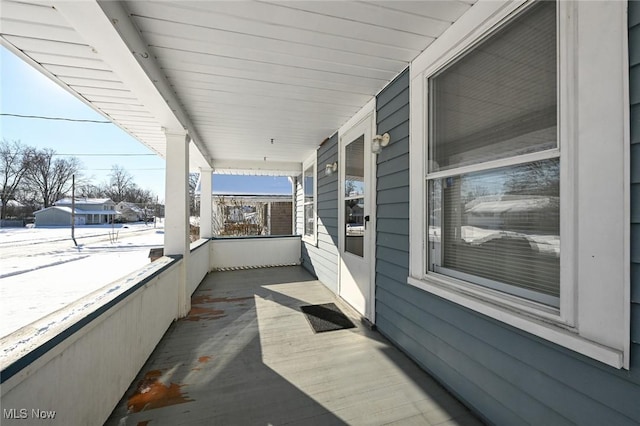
309,199
496,224
519,171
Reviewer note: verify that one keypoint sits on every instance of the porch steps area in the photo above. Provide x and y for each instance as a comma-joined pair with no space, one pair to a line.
246,355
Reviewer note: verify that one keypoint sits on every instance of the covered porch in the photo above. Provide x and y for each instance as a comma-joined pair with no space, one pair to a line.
235,88
246,354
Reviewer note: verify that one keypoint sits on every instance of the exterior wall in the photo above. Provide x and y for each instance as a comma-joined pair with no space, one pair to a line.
53,217
321,259
506,375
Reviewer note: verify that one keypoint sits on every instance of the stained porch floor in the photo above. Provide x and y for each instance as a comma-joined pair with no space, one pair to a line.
246,355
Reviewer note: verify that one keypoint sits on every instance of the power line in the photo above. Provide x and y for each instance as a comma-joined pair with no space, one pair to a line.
107,155
102,170
40,117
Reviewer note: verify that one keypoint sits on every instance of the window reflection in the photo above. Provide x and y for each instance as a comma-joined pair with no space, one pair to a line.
499,227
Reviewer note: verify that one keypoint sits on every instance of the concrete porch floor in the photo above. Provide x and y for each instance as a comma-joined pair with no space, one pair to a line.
246,355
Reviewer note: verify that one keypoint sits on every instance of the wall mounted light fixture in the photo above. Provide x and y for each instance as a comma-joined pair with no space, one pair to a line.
379,142
330,168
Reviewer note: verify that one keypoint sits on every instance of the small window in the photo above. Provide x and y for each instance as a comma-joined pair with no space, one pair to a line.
309,199
496,224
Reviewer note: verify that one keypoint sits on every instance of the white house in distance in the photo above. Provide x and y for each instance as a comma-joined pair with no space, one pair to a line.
129,212
88,211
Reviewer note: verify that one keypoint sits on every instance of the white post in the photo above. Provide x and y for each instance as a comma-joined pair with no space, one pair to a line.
176,224
206,228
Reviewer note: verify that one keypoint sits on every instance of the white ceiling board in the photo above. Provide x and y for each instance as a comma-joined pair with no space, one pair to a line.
52,47
263,134
62,71
235,74
234,85
279,21
175,36
82,83
31,12
264,103
38,31
343,89
224,29
266,60
444,10
202,63
102,91
373,17
68,61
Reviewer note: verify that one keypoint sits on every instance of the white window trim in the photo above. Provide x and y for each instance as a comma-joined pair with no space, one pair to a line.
309,162
594,314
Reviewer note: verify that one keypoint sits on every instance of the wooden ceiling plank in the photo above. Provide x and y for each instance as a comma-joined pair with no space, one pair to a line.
448,10
51,46
232,42
68,61
423,24
272,20
298,77
37,31
268,61
231,85
217,28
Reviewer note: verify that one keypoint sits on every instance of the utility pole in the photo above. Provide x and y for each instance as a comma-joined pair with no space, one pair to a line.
73,209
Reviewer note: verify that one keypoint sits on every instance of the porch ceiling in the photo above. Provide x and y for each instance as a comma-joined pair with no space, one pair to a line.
235,74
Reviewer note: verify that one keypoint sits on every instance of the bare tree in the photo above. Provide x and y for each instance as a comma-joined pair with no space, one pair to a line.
193,183
14,163
137,195
50,178
88,190
120,182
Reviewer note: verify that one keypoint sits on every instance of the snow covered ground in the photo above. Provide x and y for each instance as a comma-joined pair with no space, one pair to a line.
42,270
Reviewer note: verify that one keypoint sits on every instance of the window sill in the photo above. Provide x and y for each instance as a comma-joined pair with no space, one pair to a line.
541,326
310,240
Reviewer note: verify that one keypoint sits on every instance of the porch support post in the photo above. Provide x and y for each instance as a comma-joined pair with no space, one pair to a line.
206,216
176,226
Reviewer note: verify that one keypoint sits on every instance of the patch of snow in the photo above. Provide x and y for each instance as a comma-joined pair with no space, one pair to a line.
43,271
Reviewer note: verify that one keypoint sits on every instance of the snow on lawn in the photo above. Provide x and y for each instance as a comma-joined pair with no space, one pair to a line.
42,271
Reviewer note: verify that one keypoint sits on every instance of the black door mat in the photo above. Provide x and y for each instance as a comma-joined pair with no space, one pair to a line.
326,317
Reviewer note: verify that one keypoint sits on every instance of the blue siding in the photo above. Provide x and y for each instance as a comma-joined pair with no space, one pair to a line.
322,259
506,375
634,87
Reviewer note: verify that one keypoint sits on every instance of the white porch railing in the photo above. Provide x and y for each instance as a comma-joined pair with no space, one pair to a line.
254,252
77,362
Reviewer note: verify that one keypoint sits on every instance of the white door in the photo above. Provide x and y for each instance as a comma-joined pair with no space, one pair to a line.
356,228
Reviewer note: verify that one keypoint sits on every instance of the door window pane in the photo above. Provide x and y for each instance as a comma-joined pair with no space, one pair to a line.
354,169
354,203
354,220
499,228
